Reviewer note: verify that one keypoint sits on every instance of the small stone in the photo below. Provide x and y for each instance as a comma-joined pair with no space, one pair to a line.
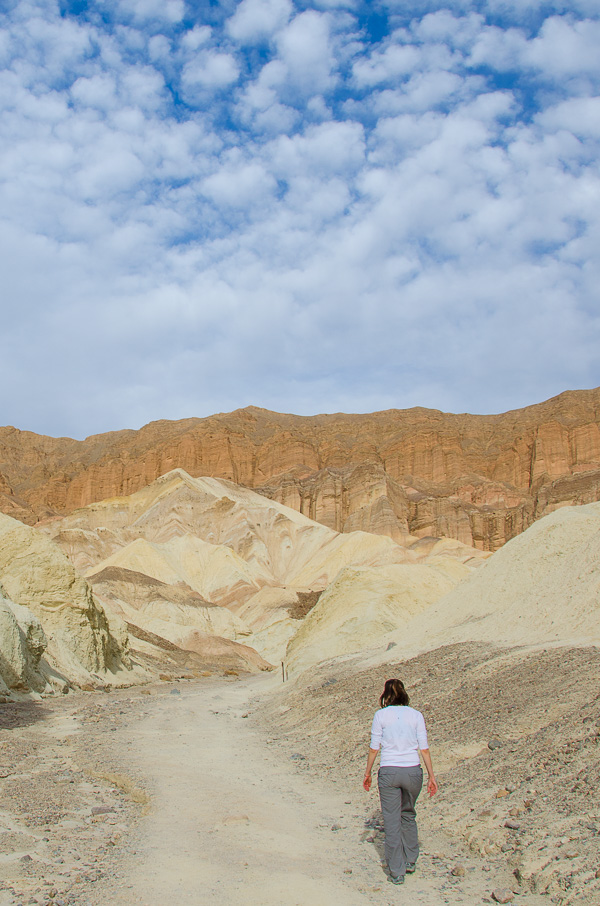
571,854
370,839
501,794
347,871
102,810
512,825
506,847
458,871
336,827
26,858
495,744
597,875
175,692
502,895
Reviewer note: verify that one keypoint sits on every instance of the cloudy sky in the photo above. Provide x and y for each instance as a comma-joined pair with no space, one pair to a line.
308,206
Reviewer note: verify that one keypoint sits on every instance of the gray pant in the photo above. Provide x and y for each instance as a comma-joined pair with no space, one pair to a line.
399,790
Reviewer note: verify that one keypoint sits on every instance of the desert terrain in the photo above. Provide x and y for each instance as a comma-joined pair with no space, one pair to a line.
189,666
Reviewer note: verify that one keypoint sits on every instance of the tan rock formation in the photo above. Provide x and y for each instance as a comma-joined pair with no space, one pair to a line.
170,610
481,479
36,574
22,643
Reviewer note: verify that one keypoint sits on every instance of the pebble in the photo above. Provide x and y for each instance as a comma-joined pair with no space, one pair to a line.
175,692
502,895
495,744
512,825
458,871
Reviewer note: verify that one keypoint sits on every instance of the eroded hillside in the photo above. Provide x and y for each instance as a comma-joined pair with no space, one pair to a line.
479,479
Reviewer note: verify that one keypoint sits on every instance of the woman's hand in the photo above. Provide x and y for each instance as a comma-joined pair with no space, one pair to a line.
367,782
432,786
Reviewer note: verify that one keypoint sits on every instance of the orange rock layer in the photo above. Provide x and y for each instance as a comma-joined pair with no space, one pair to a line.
481,479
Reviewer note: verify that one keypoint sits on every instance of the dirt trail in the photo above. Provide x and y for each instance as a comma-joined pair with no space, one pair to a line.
233,821
232,818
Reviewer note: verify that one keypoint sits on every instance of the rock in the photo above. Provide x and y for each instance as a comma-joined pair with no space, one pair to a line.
22,643
175,692
477,478
336,827
501,793
102,810
458,871
495,744
35,573
512,825
502,895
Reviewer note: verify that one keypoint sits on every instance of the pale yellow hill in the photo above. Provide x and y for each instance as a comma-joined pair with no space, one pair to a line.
541,587
214,571
234,548
362,606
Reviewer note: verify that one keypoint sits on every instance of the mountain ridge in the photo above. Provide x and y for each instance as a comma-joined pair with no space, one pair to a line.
480,479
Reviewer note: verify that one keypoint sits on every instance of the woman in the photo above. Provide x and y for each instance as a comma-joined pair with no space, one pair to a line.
399,731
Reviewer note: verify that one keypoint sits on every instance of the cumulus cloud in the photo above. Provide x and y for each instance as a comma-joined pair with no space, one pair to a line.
256,19
274,204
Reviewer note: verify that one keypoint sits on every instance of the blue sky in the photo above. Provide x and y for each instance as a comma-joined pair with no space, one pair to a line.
312,207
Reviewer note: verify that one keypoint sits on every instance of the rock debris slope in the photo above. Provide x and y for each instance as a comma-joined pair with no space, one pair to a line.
81,642
479,479
541,588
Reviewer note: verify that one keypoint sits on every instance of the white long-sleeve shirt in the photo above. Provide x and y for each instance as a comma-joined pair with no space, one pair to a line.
399,731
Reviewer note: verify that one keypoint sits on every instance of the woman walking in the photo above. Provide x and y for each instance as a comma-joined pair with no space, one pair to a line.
399,731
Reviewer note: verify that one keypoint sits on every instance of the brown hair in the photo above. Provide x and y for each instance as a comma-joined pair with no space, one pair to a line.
393,693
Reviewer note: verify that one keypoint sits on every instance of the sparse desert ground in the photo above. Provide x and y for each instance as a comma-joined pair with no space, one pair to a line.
256,797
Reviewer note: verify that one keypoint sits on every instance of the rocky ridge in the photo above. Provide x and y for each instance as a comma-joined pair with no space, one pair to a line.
479,479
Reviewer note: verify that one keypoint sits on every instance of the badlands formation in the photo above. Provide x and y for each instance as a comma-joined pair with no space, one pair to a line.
190,559
478,479
173,576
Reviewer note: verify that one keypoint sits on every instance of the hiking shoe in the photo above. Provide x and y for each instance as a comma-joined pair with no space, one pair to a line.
410,867
398,880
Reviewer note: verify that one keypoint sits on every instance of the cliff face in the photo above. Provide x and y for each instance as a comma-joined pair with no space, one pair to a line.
480,479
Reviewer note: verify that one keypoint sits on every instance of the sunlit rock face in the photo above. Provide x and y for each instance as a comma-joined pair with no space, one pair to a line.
22,643
479,479
37,575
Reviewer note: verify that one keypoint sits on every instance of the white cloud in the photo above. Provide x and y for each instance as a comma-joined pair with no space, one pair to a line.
239,184
394,62
210,70
305,49
256,19
142,10
317,201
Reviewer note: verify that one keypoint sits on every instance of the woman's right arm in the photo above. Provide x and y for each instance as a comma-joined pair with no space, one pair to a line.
432,786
